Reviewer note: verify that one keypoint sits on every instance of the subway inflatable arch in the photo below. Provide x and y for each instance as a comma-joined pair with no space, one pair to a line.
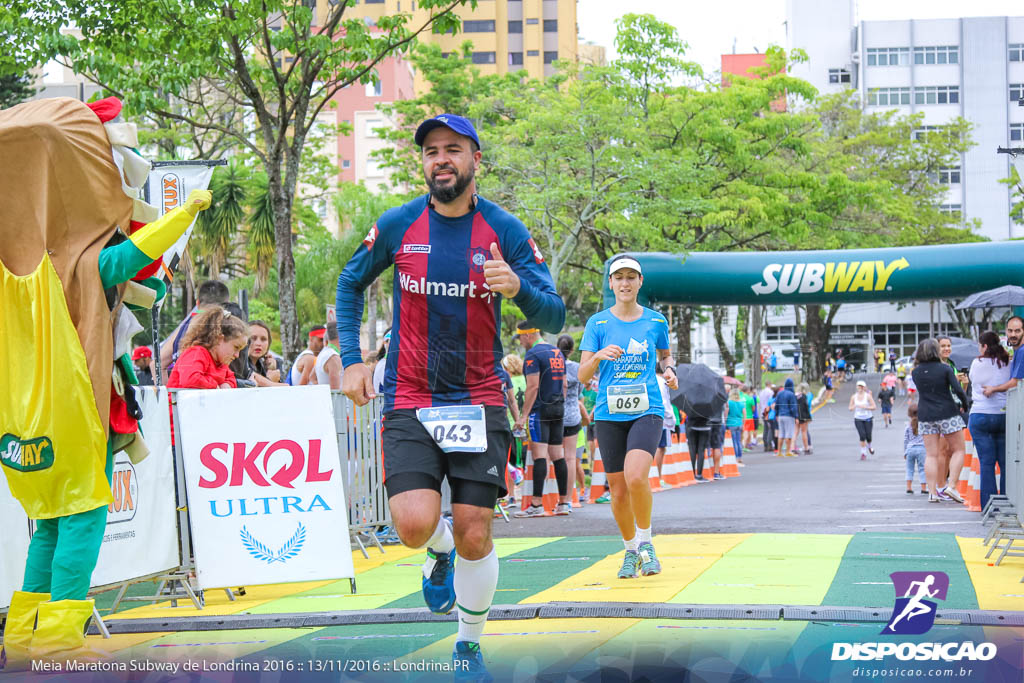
822,277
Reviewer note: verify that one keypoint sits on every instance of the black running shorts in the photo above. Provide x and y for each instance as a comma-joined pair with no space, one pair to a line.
413,460
616,438
571,430
542,430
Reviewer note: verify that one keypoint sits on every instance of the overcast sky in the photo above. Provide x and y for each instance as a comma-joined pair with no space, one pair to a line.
711,27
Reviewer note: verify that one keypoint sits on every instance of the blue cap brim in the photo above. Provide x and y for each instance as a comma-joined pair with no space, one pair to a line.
430,124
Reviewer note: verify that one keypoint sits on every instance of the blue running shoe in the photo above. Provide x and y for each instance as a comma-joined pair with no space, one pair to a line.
649,564
630,565
439,581
468,662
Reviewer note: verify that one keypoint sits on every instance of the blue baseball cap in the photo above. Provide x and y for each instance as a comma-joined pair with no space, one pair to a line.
459,124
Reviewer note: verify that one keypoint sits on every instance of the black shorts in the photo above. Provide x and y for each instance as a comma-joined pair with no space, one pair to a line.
616,438
545,431
717,438
591,432
571,430
863,429
413,460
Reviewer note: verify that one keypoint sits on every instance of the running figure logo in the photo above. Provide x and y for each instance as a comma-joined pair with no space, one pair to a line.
913,613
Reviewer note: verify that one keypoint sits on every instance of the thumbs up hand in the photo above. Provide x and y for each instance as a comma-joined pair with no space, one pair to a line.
499,275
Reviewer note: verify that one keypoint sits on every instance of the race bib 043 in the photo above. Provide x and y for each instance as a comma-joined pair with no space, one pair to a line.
456,429
628,399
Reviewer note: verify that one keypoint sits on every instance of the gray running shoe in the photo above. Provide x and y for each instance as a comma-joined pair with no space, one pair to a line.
648,559
531,511
630,565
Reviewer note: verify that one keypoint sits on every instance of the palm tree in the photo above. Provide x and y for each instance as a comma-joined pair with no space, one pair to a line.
260,233
217,229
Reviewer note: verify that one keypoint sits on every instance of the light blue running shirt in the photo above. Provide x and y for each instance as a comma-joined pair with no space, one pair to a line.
628,387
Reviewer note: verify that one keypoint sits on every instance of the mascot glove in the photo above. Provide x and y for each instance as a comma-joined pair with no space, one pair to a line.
197,201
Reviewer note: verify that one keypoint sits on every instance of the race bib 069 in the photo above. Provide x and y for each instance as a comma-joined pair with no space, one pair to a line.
456,429
628,399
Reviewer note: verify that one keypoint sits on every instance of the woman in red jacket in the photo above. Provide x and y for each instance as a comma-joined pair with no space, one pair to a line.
213,340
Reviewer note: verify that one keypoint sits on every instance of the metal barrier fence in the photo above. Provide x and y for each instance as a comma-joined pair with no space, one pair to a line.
1015,450
359,446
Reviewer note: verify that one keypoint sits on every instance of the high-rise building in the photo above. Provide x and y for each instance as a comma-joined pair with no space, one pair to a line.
971,67
507,35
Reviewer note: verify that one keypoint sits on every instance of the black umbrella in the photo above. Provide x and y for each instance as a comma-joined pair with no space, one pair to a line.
701,391
1007,295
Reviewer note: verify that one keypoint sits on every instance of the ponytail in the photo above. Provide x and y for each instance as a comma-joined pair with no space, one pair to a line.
213,325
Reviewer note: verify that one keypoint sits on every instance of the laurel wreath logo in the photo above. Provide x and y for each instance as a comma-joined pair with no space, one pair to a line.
261,552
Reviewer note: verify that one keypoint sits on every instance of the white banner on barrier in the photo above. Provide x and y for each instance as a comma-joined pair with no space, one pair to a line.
141,536
169,186
263,476
14,548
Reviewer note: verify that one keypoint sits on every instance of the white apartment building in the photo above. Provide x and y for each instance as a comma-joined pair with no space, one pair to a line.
971,67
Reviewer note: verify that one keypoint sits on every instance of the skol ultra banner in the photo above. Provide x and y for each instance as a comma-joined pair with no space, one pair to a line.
141,536
266,499
166,189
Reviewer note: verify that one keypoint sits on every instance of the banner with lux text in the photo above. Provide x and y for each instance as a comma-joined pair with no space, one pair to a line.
265,493
141,536
167,188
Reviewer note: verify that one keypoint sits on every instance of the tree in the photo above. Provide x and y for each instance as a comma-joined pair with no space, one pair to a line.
15,88
280,61
561,160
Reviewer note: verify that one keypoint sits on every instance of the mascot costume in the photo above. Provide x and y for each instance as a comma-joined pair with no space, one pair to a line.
78,247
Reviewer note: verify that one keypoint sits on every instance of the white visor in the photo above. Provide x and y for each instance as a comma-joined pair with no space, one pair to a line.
625,262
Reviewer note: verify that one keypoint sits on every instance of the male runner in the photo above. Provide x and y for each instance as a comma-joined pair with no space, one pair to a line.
544,406
302,369
455,256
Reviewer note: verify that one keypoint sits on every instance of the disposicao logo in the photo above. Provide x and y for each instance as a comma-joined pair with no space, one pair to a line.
838,276
914,614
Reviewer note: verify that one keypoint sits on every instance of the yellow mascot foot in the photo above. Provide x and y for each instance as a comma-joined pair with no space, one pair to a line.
21,622
60,632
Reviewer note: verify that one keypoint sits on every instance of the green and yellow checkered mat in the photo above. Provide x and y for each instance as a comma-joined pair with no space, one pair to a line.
714,569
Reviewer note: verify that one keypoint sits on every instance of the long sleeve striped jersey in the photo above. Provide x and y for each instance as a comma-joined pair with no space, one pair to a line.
446,333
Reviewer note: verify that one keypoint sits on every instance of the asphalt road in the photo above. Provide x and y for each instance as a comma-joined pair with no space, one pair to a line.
830,491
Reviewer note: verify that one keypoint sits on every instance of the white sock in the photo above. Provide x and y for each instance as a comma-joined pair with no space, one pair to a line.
631,544
475,581
863,450
442,541
643,535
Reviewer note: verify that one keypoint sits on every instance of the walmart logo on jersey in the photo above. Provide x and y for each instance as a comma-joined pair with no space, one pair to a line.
634,361
427,287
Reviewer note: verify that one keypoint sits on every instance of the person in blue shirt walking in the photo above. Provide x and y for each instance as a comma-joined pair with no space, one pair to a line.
786,412
626,341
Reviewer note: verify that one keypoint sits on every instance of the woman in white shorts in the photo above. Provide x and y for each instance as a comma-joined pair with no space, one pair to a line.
939,420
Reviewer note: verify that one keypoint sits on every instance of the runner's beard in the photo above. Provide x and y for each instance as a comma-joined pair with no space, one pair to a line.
449,192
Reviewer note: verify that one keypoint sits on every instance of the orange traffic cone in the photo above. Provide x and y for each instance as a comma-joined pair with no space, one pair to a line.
729,466
527,497
973,498
598,480
965,474
686,471
670,471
